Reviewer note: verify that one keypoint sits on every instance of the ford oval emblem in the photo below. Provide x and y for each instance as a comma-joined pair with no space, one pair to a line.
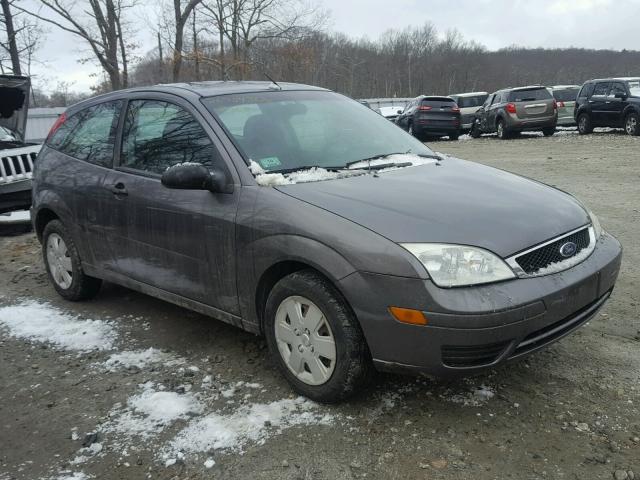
568,249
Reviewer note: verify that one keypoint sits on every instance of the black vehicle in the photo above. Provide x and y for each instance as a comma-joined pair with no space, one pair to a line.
431,117
514,110
609,102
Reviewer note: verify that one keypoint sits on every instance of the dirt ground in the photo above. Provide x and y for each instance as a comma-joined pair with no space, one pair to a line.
568,412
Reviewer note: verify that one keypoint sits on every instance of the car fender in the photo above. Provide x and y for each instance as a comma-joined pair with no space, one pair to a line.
273,250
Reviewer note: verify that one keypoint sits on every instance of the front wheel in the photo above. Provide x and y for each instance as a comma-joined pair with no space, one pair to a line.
547,132
584,124
632,124
475,130
315,339
62,261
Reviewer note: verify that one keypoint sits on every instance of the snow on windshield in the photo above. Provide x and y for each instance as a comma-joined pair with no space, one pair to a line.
317,174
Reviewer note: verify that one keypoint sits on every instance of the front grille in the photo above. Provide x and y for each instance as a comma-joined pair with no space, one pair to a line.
471,355
544,256
17,166
558,329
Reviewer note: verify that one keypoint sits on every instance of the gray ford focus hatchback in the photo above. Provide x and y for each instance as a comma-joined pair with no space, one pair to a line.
301,215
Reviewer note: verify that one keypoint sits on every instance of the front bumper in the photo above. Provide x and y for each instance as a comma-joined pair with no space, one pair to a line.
473,328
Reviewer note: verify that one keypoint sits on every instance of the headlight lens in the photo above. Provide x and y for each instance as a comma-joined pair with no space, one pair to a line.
459,265
597,228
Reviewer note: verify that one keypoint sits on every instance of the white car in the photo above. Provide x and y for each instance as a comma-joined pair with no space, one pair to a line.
469,104
391,112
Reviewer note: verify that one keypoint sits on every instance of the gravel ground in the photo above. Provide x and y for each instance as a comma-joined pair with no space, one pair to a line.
130,387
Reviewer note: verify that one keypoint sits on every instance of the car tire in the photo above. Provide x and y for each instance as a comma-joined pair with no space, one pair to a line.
475,130
413,133
297,342
501,129
454,136
548,132
63,264
584,124
632,124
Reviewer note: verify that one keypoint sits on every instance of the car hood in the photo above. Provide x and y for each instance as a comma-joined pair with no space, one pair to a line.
14,103
455,201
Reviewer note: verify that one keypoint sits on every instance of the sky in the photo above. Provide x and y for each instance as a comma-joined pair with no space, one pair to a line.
601,24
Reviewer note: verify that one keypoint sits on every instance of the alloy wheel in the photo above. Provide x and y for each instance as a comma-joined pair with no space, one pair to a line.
305,340
59,261
631,124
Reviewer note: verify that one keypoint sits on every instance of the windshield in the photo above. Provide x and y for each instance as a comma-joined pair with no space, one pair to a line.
529,95
634,87
566,94
287,130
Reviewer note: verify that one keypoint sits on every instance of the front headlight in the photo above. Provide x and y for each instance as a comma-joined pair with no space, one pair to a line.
459,265
597,229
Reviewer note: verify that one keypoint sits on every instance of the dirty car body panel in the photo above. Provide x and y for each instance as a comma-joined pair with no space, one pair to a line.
215,252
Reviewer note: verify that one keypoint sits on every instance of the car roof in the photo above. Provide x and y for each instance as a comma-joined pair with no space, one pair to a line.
468,94
437,98
517,89
562,87
621,79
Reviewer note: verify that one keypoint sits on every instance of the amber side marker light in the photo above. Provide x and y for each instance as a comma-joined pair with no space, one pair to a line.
407,315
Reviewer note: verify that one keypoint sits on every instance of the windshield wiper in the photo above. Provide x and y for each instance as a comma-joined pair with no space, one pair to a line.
304,167
390,164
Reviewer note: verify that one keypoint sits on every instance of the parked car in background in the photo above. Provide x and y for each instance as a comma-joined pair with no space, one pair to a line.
263,208
16,155
431,116
566,96
514,110
609,102
469,104
391,112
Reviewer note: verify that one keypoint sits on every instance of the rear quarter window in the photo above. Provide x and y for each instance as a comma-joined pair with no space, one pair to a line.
529,95
89,134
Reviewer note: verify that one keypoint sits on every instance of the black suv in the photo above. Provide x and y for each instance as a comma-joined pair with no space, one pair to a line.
431,117
609,102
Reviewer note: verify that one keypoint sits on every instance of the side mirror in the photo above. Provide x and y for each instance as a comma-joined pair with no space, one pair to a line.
399,112
195,176
621,95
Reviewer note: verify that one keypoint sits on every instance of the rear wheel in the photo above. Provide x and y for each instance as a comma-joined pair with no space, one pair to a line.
584,124
454,136
501,129
632,124
547,132
475,130
315,339
64,266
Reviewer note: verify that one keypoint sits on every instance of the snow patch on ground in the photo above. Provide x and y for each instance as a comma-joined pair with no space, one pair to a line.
150,411
254,423
476,397
69,475
140,359
42,322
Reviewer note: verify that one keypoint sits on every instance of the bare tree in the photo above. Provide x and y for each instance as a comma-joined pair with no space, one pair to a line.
101,26
20,37
181,16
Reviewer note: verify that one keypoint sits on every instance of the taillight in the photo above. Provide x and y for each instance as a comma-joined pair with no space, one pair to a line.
559,104
455,109
58,123
511,107
425,108
555,105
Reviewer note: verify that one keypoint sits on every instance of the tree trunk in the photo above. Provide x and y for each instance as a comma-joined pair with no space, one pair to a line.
11,37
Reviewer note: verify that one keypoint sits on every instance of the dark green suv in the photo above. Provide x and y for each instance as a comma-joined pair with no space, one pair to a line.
609,102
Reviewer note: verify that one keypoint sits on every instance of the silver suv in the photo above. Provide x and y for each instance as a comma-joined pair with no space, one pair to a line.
514,110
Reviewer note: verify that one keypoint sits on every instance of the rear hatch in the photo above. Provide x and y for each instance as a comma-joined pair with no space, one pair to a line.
438,112
532,103
14,103
566,100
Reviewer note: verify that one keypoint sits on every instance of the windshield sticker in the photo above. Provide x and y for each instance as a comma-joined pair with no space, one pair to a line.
270,163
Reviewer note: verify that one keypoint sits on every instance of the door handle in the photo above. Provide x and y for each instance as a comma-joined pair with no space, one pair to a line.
118,189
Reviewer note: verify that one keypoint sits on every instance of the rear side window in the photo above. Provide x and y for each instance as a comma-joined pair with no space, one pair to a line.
587,90
601,89
616,88
158,135
566,94
529,95
89,135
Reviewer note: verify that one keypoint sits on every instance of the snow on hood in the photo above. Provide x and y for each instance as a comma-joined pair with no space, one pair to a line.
317,174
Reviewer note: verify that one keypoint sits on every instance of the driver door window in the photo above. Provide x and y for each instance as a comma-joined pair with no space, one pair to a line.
158,135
